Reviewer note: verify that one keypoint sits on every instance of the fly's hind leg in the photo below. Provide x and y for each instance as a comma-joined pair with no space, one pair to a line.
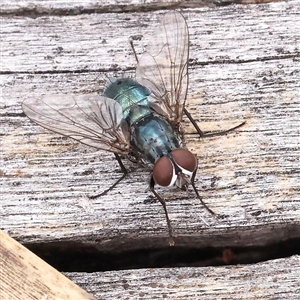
202,134
125,173
133,49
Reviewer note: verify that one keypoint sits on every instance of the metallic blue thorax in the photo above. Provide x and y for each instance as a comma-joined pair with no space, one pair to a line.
152,136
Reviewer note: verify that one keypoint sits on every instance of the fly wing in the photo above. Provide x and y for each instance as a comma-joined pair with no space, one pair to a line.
90,119
163,69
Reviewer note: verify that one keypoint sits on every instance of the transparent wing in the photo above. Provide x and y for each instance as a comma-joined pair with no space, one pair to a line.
90,119
163,69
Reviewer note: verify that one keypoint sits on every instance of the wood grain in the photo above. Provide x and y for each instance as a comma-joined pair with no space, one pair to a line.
231,282
25,276
243,66
65,7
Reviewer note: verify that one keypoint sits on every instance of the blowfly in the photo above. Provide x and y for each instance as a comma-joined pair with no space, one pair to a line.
138,119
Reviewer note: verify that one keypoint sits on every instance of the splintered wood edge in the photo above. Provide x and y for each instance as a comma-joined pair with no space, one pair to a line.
23,275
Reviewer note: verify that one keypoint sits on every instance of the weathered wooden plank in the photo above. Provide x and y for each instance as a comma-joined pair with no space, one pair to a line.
231,282
61,7
99,42
241,69
23,275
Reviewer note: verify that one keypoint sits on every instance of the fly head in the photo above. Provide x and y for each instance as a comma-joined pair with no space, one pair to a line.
177,168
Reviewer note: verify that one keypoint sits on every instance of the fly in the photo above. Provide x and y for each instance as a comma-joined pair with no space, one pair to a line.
138,118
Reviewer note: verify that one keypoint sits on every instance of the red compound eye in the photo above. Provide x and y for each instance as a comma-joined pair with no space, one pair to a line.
185,159
163,171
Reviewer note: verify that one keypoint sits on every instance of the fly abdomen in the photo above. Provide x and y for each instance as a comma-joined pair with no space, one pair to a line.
152,135
129,94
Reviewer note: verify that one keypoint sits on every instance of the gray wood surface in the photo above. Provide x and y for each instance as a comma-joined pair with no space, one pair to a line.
231,282
36,7
244,66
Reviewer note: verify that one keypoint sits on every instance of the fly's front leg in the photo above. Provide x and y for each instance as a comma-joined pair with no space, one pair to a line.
124,171
197,193
202,134
163,203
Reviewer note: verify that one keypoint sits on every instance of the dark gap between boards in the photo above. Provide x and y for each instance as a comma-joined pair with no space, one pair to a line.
80,257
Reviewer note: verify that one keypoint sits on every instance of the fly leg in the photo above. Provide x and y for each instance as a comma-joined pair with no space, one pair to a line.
202,134
133,49
198,196
163,203
125,173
